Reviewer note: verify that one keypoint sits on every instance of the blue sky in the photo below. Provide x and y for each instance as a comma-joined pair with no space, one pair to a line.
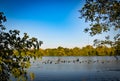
55,22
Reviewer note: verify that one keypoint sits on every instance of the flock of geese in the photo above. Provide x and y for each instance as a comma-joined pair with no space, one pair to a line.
59,61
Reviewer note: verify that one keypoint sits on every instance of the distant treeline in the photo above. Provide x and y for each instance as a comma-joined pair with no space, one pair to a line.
84,51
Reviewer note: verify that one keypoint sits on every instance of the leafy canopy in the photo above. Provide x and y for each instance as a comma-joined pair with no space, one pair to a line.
104,15
15,51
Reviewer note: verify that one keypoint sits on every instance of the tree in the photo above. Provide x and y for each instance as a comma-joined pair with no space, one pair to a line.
104,16
15,51
76,51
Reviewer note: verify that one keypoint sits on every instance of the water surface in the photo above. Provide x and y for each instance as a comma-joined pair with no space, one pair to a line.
95,68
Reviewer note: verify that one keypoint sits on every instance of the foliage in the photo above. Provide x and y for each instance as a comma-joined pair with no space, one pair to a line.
84,51
104,16
14,54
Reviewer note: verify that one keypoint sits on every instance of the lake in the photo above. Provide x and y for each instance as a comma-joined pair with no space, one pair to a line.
93,68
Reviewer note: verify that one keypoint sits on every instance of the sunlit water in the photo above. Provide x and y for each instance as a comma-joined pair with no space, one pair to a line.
99,68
